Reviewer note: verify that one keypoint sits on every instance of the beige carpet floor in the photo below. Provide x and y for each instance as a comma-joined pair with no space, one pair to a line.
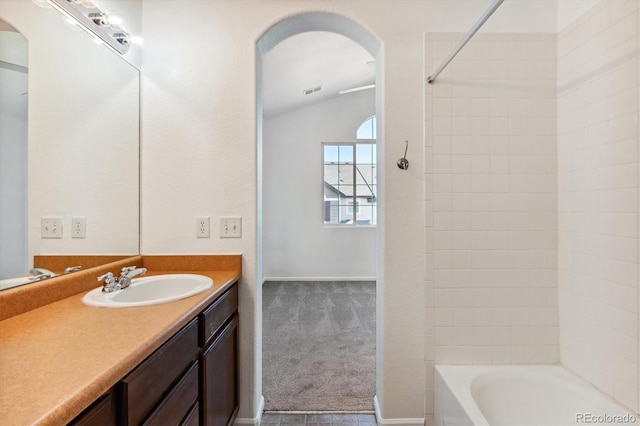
318,346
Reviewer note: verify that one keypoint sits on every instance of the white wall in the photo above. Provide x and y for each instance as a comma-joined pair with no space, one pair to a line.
200,154
83,129
599,189
296,242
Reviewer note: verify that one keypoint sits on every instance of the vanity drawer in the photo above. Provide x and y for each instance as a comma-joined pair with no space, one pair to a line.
216,315
142,389
176,405
102,412
193,418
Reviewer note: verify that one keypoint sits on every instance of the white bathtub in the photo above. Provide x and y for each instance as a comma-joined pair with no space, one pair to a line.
521,395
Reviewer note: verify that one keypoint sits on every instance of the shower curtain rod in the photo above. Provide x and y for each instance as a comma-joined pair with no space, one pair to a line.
465,40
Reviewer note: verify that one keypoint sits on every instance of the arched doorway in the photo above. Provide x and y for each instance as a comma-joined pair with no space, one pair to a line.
290,27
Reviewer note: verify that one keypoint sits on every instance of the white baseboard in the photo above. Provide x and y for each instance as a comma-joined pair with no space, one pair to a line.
401,421
254,421
319,279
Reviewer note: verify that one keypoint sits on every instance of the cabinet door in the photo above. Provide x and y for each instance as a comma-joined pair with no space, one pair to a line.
102,412
220,373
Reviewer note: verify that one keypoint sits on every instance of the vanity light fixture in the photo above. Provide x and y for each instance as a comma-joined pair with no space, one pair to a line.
95,22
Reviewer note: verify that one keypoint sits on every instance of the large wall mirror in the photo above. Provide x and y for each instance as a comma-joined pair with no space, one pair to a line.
69,130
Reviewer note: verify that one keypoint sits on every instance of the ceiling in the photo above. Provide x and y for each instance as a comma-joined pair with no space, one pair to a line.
310,60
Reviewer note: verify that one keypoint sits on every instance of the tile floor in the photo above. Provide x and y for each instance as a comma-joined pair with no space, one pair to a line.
326,419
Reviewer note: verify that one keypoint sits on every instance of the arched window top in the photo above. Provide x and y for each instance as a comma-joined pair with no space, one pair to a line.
367,130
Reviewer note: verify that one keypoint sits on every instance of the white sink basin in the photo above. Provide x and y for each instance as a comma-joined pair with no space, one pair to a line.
150,291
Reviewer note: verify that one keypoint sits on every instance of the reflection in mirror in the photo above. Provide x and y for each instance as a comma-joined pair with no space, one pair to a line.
14,54
83,143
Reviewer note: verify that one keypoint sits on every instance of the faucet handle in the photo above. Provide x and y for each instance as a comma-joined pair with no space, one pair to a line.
108,278
110,284
126,270
71,269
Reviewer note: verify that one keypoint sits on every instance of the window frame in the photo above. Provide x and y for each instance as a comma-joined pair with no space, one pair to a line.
354,221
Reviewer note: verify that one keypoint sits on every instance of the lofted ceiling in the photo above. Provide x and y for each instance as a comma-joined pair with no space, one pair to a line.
310,60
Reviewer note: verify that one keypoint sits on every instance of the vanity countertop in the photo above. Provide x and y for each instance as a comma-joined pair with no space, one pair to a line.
57,359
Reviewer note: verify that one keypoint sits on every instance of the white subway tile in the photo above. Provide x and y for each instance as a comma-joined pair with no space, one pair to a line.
479,126
443,318
479,107
499,145
461,202
461,164
460,240
501,354
460,107
442,107
480,69
481,355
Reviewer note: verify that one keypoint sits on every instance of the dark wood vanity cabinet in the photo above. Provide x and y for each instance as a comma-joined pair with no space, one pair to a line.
190,380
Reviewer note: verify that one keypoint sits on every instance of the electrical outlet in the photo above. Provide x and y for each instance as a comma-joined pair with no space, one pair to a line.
231,227
51,227
202,227
78,227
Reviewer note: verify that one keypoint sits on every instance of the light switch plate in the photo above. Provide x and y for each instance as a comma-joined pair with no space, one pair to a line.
231,227
51,227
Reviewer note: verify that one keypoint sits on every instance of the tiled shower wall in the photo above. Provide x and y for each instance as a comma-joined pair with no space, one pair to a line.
491,202
598,198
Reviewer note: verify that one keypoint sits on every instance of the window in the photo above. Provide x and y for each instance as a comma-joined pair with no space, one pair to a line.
350,179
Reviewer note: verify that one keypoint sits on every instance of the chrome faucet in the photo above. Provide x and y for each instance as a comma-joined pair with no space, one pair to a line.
127,274
112,284
40,274
70,269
